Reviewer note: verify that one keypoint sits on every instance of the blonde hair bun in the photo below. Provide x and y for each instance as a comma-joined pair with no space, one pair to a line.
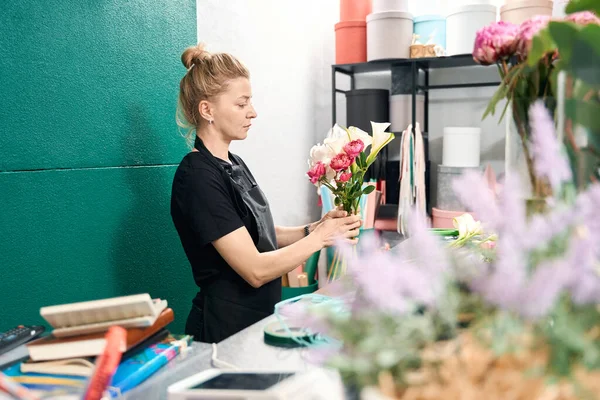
194,55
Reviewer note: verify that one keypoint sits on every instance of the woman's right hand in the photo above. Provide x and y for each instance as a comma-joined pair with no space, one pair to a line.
334,229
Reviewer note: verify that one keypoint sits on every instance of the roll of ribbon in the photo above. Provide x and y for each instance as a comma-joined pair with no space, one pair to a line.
276,334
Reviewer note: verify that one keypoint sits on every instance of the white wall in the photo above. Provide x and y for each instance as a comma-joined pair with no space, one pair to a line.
289,48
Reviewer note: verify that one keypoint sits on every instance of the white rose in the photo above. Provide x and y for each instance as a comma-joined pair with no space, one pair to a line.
322,153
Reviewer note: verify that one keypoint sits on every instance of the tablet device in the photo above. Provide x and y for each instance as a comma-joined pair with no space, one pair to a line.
247,384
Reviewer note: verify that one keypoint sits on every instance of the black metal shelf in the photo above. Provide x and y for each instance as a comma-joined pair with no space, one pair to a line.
461,60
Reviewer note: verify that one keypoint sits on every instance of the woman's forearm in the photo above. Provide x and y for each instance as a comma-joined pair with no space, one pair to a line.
287,235
256,268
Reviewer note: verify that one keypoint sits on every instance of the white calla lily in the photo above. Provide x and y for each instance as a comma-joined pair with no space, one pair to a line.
380,139
467,226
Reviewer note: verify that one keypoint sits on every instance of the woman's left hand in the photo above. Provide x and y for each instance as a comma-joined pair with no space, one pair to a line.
335,213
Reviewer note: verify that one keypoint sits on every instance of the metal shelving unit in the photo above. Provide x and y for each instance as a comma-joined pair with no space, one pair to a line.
417,65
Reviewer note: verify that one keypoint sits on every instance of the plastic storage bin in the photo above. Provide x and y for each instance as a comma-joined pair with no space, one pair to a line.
517,12
462,24
446,197
366,105
389,5
401,111
462,147
350,42
354,10
389,35
427,26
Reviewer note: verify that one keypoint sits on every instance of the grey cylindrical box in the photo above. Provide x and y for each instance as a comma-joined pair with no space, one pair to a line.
446,198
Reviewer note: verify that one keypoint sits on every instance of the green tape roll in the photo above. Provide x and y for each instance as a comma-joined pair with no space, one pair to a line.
276,335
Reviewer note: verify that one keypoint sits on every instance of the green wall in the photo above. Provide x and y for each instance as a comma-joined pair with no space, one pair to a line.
88,148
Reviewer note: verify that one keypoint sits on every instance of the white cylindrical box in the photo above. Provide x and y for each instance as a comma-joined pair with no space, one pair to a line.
516,12
389,35
462,24
389,5
461,147
401,111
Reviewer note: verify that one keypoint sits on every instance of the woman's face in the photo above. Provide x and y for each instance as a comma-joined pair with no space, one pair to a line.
233,110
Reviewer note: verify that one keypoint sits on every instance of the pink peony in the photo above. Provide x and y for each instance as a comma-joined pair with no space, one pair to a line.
316,172
345,176
495,42
341,161
354,148
528,30
583,18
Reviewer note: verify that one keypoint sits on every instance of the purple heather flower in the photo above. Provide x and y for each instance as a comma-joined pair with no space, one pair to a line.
583,18
495,42
528,30
548,161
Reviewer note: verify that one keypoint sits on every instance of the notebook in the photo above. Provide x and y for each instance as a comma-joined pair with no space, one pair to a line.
90,345
98,315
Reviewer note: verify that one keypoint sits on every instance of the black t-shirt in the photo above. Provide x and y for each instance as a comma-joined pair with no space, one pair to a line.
204,209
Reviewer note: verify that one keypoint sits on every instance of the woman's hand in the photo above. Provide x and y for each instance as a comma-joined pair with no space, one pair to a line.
335,213
333,229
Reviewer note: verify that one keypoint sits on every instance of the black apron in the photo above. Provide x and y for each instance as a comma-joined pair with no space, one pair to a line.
228,303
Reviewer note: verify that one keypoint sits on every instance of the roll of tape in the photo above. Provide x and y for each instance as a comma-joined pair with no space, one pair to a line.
275,334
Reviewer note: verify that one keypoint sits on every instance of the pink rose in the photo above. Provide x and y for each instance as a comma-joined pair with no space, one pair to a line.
583,18
495,42
528,30
316,172
354,148
345,176
341,161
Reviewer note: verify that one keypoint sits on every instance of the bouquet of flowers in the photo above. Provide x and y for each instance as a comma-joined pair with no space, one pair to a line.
340,164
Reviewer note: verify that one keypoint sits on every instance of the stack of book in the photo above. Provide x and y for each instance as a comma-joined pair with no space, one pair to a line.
65,360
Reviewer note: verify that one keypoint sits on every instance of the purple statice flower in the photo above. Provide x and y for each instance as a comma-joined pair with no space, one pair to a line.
298,314
584,250
583,258
528,30
548,160
395,281
495,42
502,285
545,285
473,191
512,207
377,277
587,207
321,355
583,18
544,227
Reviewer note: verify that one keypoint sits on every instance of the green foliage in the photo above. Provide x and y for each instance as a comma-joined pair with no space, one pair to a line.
583,5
